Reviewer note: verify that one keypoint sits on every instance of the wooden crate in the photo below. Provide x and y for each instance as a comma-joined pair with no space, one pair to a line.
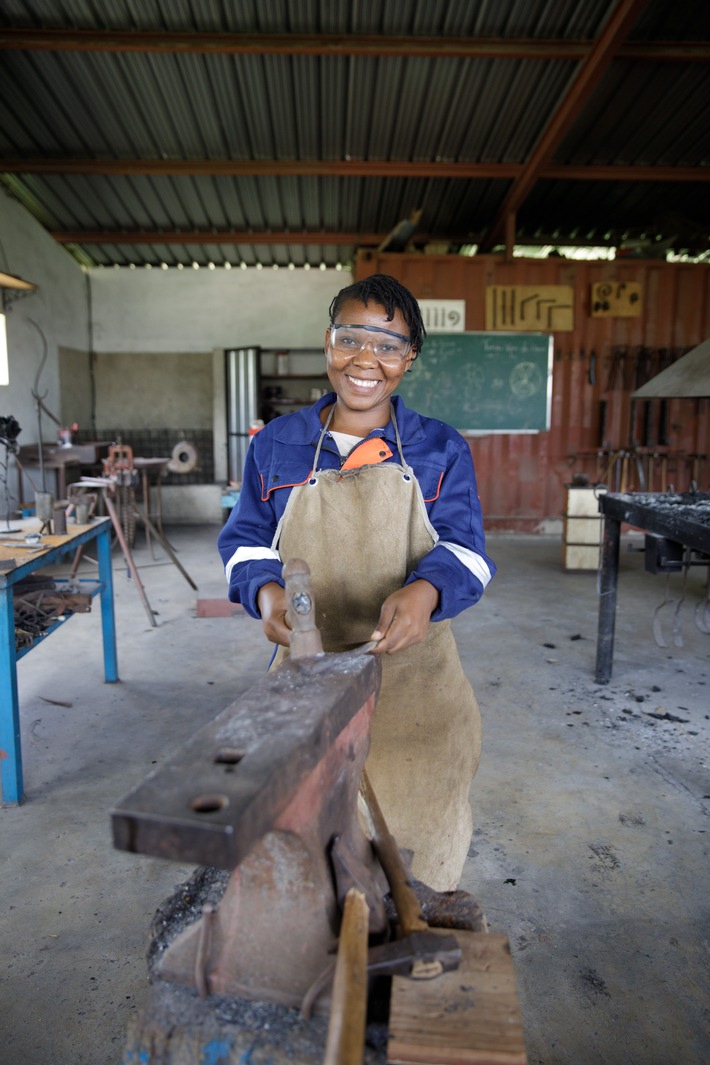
581,536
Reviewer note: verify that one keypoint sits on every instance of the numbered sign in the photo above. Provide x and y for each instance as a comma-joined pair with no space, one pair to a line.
526,308
443,316
616,299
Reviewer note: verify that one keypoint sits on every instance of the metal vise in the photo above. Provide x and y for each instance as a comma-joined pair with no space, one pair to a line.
269,790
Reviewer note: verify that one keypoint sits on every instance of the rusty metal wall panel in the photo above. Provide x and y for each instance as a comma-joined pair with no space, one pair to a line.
522,477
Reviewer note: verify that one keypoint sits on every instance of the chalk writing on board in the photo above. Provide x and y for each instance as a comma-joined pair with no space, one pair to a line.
525,380
483,382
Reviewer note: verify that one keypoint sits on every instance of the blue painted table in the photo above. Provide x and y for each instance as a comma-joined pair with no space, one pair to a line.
54,549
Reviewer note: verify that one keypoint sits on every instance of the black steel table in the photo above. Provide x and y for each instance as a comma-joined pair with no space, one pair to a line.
681,517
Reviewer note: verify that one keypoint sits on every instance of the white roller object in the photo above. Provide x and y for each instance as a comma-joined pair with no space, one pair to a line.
184,458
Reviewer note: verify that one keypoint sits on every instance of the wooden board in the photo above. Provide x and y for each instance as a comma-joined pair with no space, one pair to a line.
469,1016
528,308
616,299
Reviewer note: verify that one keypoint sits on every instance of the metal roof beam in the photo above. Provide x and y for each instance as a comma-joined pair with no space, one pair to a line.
351,168
207,236
63,40
612,237
590,72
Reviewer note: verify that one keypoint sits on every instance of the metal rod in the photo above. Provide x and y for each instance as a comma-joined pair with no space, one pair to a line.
609,578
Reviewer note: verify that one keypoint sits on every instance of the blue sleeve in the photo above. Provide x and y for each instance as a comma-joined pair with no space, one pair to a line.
245,541
457,565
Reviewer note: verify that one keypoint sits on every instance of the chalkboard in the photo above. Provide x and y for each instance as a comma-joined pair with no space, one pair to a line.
483,382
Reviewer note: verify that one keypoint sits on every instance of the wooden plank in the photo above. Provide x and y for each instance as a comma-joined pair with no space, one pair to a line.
218,608
469,1016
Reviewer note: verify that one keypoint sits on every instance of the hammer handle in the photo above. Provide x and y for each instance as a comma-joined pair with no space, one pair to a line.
408,908
345,1043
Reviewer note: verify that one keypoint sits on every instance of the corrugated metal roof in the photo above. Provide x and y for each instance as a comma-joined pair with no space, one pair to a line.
175,106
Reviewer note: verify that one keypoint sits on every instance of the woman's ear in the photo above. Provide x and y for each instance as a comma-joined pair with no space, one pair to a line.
326,342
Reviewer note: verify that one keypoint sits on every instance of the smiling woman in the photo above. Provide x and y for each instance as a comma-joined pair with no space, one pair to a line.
382,505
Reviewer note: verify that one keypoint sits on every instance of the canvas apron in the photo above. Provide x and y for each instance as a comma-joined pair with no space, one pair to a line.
362,531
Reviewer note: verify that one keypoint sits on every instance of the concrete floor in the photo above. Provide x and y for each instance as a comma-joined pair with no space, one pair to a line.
591,814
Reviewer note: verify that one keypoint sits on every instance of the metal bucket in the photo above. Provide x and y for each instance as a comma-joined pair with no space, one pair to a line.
44,506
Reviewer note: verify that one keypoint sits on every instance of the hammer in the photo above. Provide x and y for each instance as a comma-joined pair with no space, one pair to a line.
419,953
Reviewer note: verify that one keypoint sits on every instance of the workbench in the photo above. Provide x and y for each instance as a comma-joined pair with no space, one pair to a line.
683,518
52,550
58,460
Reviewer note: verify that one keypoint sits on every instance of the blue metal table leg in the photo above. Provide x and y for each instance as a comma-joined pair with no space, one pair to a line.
10,745
108,622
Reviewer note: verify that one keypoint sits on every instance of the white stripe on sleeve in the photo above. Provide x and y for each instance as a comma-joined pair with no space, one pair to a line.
250,554
473,562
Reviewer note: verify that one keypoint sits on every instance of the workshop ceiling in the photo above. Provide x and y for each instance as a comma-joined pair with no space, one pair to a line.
279,132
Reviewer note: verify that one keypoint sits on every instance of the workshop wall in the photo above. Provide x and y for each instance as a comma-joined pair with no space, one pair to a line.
58,308
164,311
595,429
148,390
159,338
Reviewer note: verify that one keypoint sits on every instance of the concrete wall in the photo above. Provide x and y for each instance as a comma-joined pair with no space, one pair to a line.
57,312
159,338
58,308
167,311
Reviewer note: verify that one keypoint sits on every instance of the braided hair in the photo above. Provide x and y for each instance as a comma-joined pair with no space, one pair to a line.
390,294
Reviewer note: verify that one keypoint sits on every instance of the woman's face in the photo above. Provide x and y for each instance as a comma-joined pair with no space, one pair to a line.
363,383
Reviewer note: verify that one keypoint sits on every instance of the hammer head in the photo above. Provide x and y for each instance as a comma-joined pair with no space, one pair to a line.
420,955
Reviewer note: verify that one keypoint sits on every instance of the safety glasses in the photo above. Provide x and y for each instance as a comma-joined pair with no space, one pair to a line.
389,348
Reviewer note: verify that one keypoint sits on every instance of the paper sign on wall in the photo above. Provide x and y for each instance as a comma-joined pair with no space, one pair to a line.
530,308
443,316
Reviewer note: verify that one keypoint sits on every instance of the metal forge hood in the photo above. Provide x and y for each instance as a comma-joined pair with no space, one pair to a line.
689,376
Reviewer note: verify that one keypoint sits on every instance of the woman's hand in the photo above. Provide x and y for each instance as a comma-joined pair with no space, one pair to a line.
271,600
404,618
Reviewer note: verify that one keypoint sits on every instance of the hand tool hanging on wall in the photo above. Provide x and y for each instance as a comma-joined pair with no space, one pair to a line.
615,376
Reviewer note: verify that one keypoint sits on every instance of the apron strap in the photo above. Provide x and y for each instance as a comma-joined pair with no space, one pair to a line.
321,438
325,428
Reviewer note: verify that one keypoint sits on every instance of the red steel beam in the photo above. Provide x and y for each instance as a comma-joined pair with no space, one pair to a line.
260,167
351,168
63,40
590,72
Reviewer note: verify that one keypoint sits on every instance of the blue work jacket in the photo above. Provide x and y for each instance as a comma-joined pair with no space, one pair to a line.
281,457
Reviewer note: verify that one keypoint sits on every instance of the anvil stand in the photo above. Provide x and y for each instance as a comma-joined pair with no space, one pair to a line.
268,791
107,486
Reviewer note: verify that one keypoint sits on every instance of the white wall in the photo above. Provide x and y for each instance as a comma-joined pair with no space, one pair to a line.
59,308
199,310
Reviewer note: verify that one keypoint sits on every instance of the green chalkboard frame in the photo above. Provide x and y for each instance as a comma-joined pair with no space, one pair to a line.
483,382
